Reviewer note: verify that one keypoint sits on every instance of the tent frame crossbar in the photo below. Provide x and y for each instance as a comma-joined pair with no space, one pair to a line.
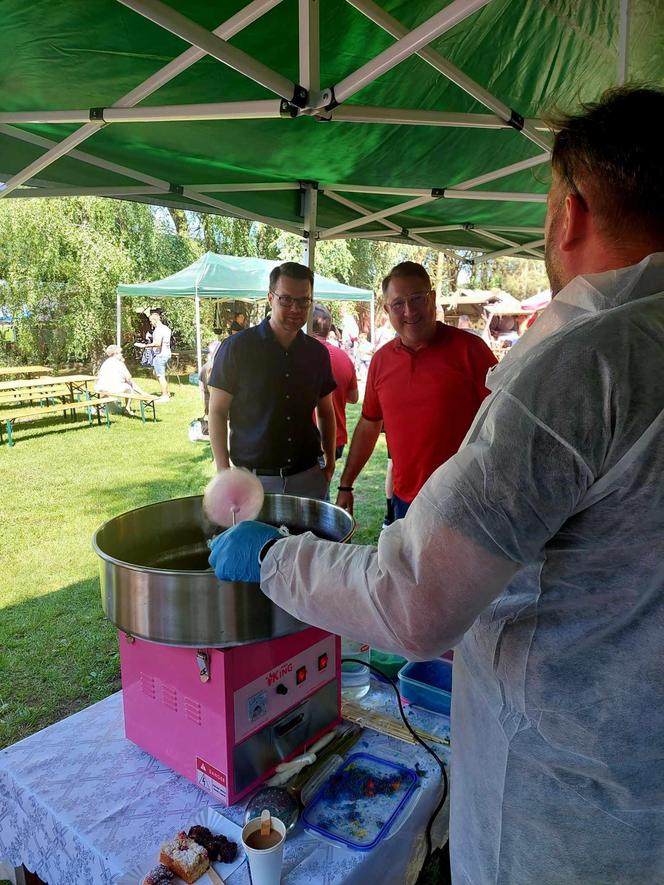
292,100
242,19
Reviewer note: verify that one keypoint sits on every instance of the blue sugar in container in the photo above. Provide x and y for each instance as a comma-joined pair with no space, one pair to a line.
358,803
427,684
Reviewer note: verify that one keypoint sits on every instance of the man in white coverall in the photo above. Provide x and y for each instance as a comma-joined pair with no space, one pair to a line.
538,550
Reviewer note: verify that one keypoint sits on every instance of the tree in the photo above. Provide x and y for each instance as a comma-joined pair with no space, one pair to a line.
63,258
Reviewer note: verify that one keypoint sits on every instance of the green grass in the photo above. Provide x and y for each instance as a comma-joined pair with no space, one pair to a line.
58,654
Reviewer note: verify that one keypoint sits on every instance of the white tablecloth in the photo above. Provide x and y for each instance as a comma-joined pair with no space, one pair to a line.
80,805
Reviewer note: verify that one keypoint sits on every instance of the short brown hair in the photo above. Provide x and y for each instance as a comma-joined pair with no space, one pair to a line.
293,270
407,269
322,321
612,150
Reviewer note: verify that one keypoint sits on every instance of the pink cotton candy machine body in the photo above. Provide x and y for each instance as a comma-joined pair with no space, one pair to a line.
218,683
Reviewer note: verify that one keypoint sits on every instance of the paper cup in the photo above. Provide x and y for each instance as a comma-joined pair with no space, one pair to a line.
265,863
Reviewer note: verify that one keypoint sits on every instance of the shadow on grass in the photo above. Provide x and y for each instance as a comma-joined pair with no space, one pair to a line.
59,654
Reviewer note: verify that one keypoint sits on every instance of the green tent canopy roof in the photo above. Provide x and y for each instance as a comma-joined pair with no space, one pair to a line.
415,121
227,276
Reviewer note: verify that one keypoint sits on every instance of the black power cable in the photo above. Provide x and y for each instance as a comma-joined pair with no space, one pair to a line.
419,740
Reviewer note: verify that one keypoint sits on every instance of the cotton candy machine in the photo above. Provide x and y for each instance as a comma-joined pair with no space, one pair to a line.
218,683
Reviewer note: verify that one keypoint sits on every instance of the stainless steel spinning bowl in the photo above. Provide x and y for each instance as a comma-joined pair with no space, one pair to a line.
156,583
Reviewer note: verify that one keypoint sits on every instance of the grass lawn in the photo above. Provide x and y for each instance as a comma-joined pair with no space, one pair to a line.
58,654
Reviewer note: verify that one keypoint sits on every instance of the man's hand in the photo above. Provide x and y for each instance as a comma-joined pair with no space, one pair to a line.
328,472
345,500
234,553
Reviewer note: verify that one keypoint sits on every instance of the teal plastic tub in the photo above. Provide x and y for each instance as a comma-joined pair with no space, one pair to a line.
427,684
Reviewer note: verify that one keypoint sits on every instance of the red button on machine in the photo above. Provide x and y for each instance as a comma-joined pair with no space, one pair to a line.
322,661
300,675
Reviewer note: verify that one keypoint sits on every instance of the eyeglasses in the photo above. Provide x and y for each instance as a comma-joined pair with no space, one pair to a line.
415,302
288,301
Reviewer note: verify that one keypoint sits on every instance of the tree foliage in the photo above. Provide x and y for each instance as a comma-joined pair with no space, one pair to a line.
63,258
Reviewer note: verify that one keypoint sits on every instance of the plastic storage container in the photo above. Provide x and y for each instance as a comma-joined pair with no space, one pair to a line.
427,684
357,805
386,662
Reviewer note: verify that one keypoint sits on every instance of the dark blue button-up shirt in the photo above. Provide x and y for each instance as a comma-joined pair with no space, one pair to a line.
275,392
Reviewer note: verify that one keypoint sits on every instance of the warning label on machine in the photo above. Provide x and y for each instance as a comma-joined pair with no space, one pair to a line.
211,779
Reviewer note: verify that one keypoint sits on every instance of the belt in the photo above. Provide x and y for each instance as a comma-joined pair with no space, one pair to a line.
277,471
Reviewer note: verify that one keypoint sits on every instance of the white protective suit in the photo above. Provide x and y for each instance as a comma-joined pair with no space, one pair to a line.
542,541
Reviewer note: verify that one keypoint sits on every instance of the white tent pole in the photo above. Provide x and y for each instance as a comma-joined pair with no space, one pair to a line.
270,109
406,46
118,319
199,349
309,44
183,27
226,30
504,252
623,43
310,218
230,209
503,172
383,213
390,24
494,196
373,319
361,210
415,117
497,238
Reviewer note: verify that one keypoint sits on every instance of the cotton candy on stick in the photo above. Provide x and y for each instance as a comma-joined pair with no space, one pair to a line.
233,496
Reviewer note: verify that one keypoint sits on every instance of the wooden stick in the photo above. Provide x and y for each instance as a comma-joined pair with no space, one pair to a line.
214,876
386,725
266,822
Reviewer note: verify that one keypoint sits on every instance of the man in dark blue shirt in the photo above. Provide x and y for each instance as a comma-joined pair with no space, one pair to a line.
266,383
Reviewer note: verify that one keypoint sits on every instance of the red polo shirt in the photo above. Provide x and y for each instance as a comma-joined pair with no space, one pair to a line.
427,400
343,372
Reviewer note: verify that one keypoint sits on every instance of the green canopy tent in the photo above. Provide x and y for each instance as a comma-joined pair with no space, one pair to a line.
227,276
418,122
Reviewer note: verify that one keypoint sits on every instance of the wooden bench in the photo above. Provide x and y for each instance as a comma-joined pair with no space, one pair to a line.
42,395
144,399
13,418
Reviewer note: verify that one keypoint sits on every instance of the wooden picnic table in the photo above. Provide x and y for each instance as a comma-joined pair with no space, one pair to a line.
6,371
73,382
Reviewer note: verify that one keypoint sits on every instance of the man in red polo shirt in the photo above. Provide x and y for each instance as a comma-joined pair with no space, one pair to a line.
425,386
343,372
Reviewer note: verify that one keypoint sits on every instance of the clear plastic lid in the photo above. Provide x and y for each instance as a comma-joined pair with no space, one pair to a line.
358,803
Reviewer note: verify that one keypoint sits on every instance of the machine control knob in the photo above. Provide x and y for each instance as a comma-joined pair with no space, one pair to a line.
282,689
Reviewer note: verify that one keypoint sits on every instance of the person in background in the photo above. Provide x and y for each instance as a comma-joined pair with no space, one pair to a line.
425,386
350,332
203,383
343,372
161,347
265,384
239,323
538,550
115,377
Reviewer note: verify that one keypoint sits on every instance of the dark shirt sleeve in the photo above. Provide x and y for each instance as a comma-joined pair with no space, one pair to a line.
224,373
328,384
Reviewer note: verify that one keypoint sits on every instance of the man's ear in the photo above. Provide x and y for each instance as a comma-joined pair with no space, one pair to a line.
576,220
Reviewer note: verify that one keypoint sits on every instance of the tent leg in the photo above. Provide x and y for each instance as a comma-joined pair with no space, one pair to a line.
199,352
118,319
373,319
310,213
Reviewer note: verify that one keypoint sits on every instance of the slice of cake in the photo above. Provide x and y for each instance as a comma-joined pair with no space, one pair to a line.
159,875
186,858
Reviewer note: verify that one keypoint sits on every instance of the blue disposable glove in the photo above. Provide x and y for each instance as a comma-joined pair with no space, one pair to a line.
234,553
